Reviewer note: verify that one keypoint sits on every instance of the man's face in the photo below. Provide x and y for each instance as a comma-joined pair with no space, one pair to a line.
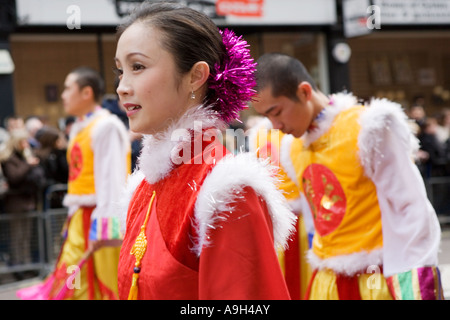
289,116
72,97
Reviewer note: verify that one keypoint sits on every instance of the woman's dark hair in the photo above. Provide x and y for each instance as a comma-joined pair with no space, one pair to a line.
88,77
190,36
47,137
282,73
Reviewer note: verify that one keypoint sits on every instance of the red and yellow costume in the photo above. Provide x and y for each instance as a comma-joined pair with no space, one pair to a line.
212,226
99,156
376,235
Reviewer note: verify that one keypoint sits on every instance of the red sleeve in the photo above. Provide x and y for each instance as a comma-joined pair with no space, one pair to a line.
240,261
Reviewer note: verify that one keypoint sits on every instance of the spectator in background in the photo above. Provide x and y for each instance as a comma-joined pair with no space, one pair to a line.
33,124
4,136
417,113
25,178
443,132
14,122
65,126
433,163
52,154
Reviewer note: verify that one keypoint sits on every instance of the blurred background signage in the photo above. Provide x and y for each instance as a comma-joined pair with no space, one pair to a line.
394,12
223,12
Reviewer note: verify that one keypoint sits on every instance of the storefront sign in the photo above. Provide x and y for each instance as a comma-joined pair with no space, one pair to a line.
242,8
394,12
356,17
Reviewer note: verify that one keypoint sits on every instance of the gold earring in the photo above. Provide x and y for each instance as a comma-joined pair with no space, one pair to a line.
192,95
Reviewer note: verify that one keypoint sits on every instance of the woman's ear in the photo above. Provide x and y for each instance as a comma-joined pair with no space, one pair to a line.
199,75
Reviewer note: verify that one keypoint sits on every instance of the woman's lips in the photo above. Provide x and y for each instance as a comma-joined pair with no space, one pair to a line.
131,108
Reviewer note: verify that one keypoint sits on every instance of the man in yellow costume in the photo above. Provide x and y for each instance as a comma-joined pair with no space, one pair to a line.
99,162
376,234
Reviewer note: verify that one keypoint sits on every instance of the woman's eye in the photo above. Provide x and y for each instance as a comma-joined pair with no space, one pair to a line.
137,66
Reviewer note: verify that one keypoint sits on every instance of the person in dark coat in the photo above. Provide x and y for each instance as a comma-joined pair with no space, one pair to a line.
25,178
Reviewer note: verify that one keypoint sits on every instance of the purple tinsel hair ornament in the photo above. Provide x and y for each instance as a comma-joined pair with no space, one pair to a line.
234,79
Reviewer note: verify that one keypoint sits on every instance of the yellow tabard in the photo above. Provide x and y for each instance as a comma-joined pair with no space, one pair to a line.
80,157
268,145
342,199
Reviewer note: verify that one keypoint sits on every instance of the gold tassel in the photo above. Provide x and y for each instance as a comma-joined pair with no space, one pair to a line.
132,295
138,250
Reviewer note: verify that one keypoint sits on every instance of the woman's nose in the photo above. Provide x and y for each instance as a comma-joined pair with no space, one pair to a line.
123,88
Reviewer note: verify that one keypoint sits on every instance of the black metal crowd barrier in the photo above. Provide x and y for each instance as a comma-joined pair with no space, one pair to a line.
438,191
30,242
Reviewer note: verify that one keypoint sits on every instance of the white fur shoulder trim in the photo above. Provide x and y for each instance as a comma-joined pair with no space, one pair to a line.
349,264
383,116
133,181
221,188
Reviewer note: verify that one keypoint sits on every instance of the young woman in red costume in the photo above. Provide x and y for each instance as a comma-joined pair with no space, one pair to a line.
200,222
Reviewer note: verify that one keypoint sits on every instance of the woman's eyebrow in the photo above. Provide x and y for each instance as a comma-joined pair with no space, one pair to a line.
133,54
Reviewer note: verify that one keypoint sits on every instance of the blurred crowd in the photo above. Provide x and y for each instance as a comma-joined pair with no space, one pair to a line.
32,157
433,133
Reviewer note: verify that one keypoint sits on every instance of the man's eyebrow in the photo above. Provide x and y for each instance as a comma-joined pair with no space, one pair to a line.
269,110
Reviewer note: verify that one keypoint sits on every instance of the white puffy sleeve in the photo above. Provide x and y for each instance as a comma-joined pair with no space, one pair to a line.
411,231
111,148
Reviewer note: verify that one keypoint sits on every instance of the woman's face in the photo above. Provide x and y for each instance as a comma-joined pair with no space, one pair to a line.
150,89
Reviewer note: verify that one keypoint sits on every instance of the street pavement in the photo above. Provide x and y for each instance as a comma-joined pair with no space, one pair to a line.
8,291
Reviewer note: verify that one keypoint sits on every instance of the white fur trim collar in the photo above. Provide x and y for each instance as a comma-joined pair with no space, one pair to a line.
81,124
155,159
340,102
221,188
